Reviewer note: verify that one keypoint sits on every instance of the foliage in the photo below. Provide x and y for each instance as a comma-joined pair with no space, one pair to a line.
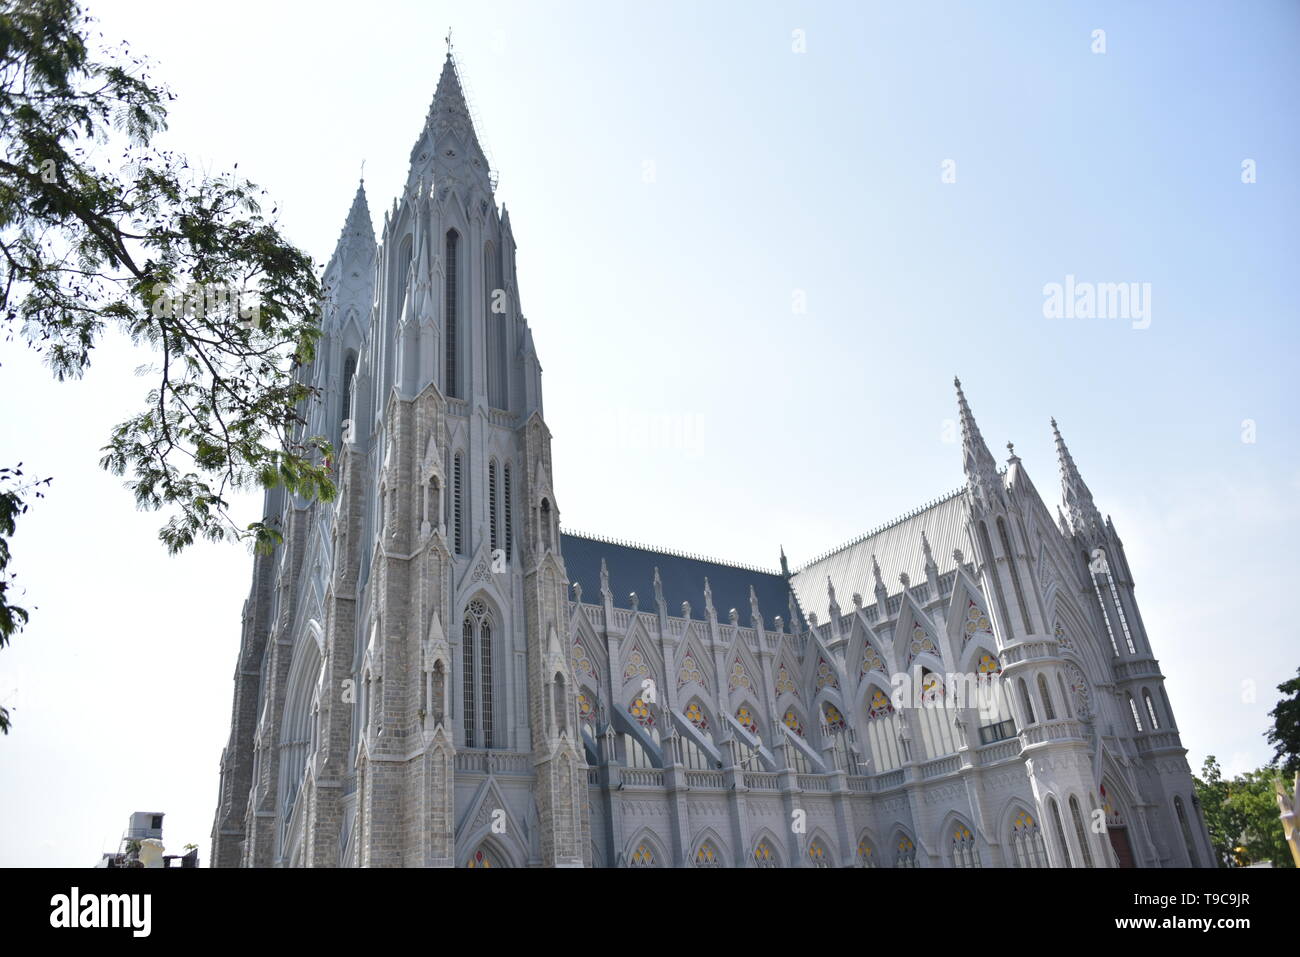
183,262
1285,733
12,504
1242,816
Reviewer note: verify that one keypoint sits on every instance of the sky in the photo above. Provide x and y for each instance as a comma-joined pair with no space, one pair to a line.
756,241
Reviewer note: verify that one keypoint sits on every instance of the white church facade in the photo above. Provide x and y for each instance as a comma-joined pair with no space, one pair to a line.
433,673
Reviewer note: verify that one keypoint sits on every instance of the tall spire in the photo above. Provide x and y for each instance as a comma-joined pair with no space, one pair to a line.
358,235
448,145
978,462
1084,517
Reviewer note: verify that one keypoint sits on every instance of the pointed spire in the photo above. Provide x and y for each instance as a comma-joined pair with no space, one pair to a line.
977,461
660,604
755,617
927,553
448,142
604,581
358,234
785,565
709,611
1084,517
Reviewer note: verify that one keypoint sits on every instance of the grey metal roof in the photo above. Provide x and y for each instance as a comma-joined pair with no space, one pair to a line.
897,548
631,569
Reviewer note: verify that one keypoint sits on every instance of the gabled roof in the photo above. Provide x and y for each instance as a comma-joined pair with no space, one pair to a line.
632,568
896,547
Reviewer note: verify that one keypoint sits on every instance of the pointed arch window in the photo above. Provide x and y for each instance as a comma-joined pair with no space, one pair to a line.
707,856
837,730
905,852
452,310
492,504
1049,712
483,857
643,856
509,516
764,856
1012,564
865,852
1027,848
1133,709
345,408
1186,828
477,690
1080,832
963,851
1065,697
1060,832
817,856
1025,702
545,517
1151,710
561,704
458,503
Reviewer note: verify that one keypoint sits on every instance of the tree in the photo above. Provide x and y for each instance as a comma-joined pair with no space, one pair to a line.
1242,816
1285,733
101,230
12,504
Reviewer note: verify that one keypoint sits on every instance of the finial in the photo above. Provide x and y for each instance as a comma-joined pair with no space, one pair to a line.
448,38
905,578
1011,448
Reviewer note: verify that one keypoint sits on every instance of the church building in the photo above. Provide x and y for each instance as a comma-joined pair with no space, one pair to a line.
432,673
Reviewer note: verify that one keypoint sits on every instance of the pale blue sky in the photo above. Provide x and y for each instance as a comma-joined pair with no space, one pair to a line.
773,172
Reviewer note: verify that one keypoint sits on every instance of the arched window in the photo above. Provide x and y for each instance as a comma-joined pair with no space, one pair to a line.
817,855
452,311
1151,710
1080,831
1101,603
1013,565
963,851
1119,609
643,856
494,327
864,852
458,503
438,697
882,731
693,756
935,716
764,856
1025,702
1046,695
492,504
836,729
404,258
1133,709
904,852
1065,696
545,517
509,517
345,409
635,753
1060,831
483,857
561,705
1027,848
707,855
1186,828
476,651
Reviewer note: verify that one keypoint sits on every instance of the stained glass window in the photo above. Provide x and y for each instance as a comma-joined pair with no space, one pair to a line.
1027,841
643,856
707,856
739,677
696,716
793,723
1063,639
764,856
481,858
825,675
580,660
1079,688
641,712
817,854
689,671
871,660
784,682
905,853
746,719
977,621
864,853
963,847
586,709
834,720
636,666
989,665
880,705
920,643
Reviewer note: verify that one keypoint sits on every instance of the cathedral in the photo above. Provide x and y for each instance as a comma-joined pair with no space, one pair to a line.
433,673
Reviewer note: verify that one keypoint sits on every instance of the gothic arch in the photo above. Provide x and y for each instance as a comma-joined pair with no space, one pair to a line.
959,841
634,852
765,850
819,850
721,855
866,852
